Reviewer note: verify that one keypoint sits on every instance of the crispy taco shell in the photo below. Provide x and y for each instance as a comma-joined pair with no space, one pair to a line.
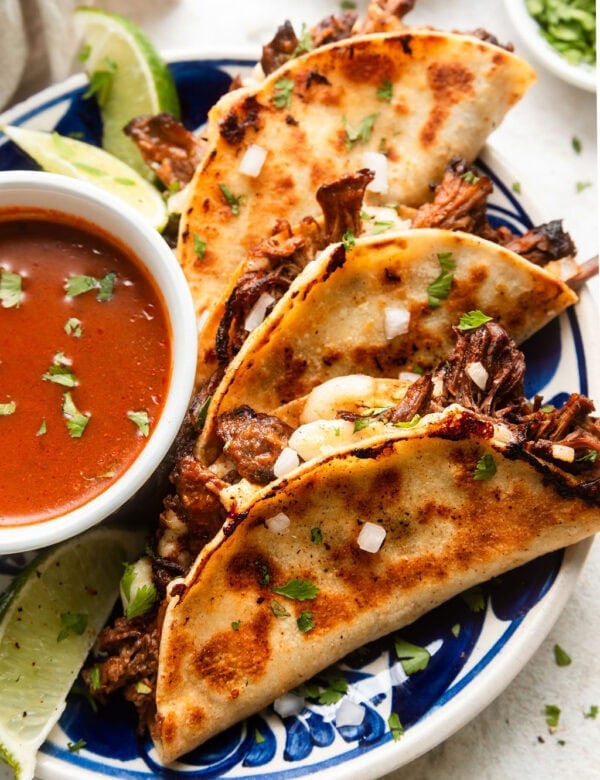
445,530
421,97
331,322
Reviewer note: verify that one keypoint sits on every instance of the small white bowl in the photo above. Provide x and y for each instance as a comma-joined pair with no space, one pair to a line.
583,76
40,190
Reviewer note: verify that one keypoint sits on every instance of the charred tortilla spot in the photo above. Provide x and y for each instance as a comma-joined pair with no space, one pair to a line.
314,77
248,570
391,276
233,658
329,612
450,83
369,68
233,127
337,260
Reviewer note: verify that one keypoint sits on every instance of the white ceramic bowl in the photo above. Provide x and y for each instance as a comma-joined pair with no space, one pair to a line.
583,76
41,190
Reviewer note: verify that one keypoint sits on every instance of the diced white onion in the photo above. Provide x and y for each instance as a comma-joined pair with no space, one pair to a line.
438,386
288,704
257,313
287,461
378,163
253,160
396,321
177,201
568,267
503,433
340,392
279,523
562,452
371,537
478,374
349,713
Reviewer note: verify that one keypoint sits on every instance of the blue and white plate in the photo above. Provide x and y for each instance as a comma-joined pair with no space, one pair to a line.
477,642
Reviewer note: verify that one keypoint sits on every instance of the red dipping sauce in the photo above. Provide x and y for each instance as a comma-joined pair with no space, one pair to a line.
83,374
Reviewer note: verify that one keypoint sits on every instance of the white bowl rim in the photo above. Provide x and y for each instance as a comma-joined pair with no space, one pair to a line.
583,76
88,202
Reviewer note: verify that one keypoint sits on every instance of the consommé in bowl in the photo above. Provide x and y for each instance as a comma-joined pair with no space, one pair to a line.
98,352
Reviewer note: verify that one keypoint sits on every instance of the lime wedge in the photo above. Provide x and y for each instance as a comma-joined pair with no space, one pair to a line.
128,76
61,154
49,619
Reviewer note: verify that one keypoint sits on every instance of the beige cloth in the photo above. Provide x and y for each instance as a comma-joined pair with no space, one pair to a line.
39,44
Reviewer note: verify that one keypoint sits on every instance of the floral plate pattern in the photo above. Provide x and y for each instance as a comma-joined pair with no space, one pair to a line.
477,642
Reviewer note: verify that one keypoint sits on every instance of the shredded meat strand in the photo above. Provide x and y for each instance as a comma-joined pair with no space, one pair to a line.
542,244
280,49
341,203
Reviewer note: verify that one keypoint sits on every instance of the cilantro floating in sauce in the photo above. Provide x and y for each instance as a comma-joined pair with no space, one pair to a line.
396,727
473,319
305,622
359,133
282,94
297,589
384,91
561,657
412,657
7,408
60,372
78,285
142,421
11,292
199,246
234,201
42,429
440,287
72,624
485,468
76,421
74,327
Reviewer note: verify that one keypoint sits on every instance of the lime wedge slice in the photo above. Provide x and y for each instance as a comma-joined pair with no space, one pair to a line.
61,154
49,619
128,76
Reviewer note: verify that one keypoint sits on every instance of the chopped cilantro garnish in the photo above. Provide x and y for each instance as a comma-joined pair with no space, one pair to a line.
142,601
470,177
381,225
76,421
78,285
233,200
200,417
74,327
7,408
316,536
297,589
42,429
75,747
569,27
282,94
199,246
258,737
547,408
60,372
455,630
347,5
360,423
305,42
359,133
580,186
561,657
412,657
337,687
72,624
305,622
279,610
516,187
348,240
552,712
100,82
95,677
408,423
576,144
384,91
440,287
474,598
263,573
84,53
396,727
236,625
485,468
141,687
473,319
10,289
142,421
592,713
589,457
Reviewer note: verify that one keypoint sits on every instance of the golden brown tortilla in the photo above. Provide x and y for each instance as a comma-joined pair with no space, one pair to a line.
421,97
446,532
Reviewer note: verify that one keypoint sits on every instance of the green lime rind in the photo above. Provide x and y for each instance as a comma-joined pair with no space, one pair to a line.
70,157
140,80
38,660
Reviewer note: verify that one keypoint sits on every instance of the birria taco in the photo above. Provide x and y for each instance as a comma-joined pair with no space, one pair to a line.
400,103
458,481
383,305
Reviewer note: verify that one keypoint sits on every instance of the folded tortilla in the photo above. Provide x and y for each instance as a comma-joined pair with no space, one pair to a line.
419,97
445,532
332,320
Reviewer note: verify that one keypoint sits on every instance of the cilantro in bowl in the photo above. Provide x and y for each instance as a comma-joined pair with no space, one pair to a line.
569,26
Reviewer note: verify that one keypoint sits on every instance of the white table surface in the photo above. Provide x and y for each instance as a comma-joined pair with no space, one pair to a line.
510,738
